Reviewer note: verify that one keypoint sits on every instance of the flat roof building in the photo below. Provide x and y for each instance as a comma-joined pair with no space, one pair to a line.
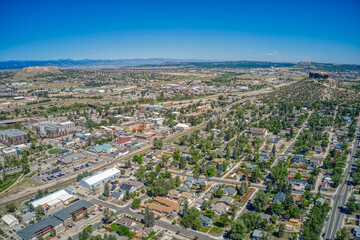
57,196
99,178
75,211
10,220
41,228
12,137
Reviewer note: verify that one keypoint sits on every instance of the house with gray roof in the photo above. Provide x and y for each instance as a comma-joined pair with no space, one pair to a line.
320,200
298,184
205,221
183,189
279,197
257,234
207,196
229,191
226,199
27,217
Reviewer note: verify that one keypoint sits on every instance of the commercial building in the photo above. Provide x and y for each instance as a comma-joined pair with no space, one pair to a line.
136,126
50,130
10,220
68,125
43,228
12,137
75,211
99,178
54,201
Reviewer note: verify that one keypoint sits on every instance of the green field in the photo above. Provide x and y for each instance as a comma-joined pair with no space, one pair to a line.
54,150
10,180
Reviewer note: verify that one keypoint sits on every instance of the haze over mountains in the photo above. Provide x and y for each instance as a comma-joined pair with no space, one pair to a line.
186,63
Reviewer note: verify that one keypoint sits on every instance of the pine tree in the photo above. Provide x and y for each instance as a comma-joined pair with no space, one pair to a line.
182,163
106,190
273,151
281,230
149,218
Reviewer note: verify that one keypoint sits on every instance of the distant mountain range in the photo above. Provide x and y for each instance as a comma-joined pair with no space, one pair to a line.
85,63
162,62
261,64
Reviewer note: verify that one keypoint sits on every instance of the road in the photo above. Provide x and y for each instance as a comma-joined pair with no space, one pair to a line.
338,211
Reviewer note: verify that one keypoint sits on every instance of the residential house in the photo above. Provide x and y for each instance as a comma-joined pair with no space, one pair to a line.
298,184
173,194
127,187
229,191
325,185
293,225
264,157
205,221
220,208
257,234
279,197
298,159
258,131
320,200
226,199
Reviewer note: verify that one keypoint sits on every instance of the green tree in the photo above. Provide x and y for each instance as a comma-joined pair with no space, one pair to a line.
191,219
10,207
209,213
298,175
106,190
260,200
351,205
182,163
136,203
342,234
149,218
281,230
238,230
205,205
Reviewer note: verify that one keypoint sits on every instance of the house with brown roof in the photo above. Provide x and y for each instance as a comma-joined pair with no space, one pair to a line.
163,205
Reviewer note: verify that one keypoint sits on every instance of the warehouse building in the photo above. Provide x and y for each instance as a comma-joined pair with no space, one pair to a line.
99,178
43,228
54,201
10,220
75,212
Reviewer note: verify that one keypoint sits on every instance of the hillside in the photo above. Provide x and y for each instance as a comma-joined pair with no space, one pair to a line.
30,72
313,90
327,66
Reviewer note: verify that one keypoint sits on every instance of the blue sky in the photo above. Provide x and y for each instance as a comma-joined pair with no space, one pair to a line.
286,31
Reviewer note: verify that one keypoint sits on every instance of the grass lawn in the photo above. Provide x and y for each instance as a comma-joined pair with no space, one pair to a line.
54,150
150,235
10,180
204,229
122,230
236,197
216,231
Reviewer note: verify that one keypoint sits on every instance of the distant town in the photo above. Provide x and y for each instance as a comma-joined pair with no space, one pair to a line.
235,150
